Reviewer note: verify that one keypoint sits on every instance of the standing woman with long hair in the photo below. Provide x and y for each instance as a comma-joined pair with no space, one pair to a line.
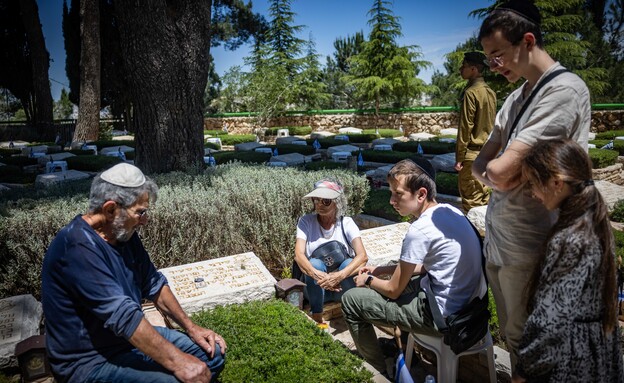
572,332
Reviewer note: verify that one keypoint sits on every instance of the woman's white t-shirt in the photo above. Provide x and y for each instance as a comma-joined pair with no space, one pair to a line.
310,230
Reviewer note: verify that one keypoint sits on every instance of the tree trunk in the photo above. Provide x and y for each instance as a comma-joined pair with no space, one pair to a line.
88,124
40,59
166,46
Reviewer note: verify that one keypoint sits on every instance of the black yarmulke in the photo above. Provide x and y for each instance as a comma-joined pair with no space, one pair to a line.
474,57
523,8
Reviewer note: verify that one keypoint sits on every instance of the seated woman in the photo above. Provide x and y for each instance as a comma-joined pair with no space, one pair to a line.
315,229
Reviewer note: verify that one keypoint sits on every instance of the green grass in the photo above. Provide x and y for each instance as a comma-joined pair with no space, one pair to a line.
272,341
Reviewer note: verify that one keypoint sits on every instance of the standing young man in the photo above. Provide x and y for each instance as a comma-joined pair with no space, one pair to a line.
440,250
476,119
516,224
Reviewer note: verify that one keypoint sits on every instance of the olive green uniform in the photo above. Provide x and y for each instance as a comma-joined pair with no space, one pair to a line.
476,120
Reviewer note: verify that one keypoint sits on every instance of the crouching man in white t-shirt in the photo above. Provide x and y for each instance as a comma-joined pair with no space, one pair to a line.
440,248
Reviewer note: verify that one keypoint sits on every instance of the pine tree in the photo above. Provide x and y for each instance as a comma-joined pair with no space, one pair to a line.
383,71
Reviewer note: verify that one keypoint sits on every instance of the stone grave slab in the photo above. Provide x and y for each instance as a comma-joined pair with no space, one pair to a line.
611,192
229,280
421,136
291,159
320,134
116,149
16,144
383,244
208,151
20,317
444,162
379,175
54,157
34,149
350,130
247,146
286,140
341,148
44,180
448,132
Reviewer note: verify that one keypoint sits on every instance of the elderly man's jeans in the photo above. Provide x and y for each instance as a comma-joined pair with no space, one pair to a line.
316,295
134,366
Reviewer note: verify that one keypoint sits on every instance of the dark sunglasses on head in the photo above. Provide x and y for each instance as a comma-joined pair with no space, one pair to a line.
324,201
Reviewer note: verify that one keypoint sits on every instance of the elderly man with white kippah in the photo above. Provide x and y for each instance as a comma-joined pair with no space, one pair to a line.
95,274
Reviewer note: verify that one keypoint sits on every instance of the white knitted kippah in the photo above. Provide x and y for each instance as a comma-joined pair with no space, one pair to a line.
125,175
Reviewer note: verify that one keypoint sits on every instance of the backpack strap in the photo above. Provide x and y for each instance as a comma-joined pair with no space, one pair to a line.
531,96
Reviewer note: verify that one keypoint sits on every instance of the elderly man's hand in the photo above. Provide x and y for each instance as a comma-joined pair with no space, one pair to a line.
190,369
207,339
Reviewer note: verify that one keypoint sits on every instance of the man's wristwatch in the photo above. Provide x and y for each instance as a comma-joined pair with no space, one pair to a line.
368,281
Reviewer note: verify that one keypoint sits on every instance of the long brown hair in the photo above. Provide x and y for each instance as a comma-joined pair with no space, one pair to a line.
583,212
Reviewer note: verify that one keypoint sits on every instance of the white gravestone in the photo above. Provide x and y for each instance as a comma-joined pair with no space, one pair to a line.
229,280
20,317
48,179
383,244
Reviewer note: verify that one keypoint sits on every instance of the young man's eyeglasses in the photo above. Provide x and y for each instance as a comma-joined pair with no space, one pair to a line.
497,61
323,201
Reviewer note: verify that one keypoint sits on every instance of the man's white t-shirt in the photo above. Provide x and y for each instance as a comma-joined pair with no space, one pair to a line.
444,242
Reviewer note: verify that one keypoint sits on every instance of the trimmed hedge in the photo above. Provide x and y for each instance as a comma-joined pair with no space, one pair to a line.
362,138
92,163
212,145
327,142
9,151
233,139
609,134
601,158
618,145
14,174
101,144
428,147
291,148
20,161
384,133
80,152
215,132
384,156
378,205
272,341
446,183
244,157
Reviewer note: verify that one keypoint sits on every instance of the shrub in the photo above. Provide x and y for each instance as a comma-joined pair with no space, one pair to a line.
290,148
91,163
227,210
244,157
318,165
108,143
428,147
13,174
80,152
20,161
609,134
446,183
212,145
384,133
617,214
292,130
378,204
215,132
233,139
327,142
601,158
274,342
384,156
362,138
618,145
9,151
599,143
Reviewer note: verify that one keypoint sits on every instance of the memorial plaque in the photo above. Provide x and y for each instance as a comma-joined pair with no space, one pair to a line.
228,280
19,319
383,244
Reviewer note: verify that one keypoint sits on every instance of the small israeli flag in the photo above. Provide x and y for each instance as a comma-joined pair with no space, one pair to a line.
402,372
360,160
316,144
420,149
275,152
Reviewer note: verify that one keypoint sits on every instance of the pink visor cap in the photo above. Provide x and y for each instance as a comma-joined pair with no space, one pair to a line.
325,189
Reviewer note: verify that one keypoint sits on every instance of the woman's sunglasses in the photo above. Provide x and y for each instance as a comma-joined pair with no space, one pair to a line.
324,201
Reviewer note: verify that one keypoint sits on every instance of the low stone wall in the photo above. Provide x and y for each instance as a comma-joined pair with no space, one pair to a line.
613,174
412,122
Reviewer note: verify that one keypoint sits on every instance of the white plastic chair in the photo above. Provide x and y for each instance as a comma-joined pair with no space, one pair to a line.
446,359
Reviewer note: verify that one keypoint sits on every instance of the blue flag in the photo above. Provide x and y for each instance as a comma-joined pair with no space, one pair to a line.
316,144
402,372
420,149
360,161
275,152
